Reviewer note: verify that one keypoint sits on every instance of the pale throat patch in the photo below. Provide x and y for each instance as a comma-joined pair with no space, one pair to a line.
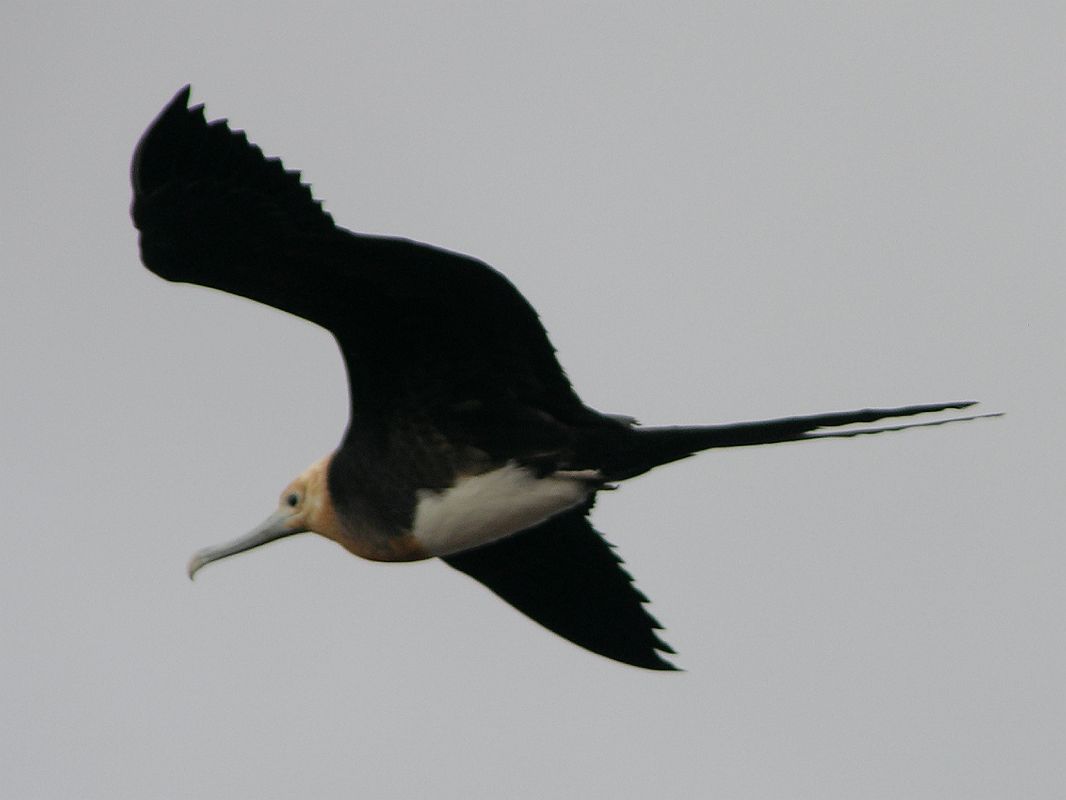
483,508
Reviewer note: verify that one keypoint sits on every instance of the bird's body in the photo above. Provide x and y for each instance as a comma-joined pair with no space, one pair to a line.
466,441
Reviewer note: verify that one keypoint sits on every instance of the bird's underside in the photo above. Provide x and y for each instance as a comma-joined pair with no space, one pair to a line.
465,439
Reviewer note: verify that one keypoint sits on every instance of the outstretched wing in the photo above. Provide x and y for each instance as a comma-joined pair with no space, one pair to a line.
412,320
212,210
564,575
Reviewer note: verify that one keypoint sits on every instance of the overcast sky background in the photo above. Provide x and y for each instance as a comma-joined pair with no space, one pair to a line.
722,212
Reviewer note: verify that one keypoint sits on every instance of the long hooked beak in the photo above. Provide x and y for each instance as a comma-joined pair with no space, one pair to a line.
277,526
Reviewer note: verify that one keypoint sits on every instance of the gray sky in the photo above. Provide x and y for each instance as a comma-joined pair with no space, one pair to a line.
721,213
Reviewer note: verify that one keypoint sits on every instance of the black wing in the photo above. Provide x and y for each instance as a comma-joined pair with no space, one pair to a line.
564,575
412,320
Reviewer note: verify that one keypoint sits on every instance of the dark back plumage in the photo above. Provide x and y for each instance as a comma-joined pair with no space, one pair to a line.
212,210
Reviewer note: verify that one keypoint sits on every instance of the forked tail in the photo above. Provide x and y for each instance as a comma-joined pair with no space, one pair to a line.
650,447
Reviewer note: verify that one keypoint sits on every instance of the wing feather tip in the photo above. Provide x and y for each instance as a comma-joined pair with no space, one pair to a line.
661,664
181,98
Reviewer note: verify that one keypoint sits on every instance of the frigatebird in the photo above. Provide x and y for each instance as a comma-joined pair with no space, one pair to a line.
465,440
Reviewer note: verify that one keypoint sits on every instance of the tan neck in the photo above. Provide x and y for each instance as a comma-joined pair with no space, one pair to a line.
322,518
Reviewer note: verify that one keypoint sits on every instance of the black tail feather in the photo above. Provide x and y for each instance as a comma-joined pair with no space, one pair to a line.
650,447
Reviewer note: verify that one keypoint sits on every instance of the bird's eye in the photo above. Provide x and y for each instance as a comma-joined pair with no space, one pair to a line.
293,499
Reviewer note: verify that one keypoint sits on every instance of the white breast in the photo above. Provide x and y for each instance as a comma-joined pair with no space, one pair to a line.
483,508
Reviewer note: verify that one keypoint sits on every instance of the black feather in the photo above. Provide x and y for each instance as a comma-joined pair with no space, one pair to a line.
564,575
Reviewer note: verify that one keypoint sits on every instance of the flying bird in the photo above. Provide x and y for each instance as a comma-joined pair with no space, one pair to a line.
465,439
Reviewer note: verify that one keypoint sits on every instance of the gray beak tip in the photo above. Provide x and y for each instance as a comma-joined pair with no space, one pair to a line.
194,565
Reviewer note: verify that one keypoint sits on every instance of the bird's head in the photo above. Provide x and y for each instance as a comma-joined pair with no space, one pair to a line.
304,506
